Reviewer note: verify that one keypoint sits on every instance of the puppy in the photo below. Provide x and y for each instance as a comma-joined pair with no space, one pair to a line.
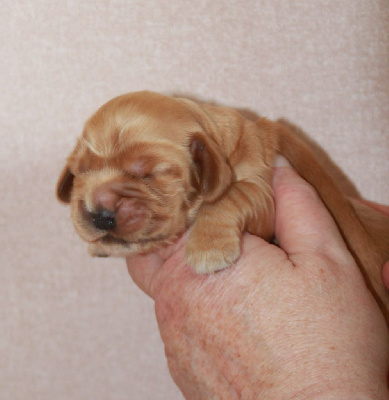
148,166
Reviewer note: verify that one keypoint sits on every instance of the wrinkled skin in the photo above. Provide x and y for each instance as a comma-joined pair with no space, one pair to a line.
293,322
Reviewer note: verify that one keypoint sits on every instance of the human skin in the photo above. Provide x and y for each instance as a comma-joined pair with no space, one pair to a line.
288,322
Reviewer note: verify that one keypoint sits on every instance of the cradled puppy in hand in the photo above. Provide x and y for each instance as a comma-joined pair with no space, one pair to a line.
148,166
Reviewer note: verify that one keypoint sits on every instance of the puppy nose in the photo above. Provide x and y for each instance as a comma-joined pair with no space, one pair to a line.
103,220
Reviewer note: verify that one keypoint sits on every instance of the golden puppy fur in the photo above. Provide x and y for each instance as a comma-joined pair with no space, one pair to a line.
148,166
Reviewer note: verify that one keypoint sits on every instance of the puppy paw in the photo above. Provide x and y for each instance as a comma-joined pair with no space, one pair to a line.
208,252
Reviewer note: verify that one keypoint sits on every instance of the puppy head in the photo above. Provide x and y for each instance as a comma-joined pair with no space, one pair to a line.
140,171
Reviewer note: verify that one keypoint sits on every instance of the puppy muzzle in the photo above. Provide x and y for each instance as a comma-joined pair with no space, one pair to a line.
103,220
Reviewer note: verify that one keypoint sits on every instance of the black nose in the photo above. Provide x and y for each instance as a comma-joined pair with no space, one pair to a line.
104,220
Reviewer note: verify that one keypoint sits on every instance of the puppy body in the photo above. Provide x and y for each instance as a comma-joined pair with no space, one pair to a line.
149,166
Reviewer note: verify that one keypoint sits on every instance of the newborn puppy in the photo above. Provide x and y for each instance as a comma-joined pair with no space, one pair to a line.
148,166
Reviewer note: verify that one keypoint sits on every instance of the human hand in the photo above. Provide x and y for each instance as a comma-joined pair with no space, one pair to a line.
294,322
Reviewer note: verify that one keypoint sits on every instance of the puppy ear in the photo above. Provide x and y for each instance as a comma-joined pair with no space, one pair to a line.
212,169
65,185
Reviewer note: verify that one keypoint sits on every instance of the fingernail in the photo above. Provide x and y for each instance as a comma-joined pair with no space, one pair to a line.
281,161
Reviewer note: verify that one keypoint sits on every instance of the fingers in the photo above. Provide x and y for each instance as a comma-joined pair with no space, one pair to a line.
144,268
303,224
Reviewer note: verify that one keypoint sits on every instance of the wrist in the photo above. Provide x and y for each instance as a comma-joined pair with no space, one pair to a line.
341,391
328,384
342,394
337,379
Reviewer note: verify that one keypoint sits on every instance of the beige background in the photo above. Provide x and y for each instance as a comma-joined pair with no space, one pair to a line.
76,328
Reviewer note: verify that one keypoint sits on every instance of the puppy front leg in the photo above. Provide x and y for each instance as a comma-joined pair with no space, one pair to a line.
214,241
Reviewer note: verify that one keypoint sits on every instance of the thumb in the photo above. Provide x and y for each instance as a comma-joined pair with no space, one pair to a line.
145,269
303,224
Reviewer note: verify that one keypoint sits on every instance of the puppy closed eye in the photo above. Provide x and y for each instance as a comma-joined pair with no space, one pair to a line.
139,169
146,169
140,177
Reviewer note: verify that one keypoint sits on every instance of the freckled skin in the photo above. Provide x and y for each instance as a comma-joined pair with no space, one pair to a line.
293,322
